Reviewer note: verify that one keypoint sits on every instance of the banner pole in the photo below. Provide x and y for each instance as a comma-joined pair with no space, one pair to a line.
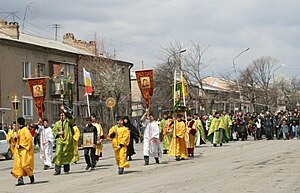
88,104
174,129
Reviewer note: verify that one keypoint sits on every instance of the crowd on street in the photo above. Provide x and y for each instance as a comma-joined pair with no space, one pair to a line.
177,136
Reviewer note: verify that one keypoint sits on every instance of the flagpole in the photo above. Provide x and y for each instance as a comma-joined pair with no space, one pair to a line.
88,105
174,129
184,104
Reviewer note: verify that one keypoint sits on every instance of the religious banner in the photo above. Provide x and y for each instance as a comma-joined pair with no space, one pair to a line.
145,80
37,87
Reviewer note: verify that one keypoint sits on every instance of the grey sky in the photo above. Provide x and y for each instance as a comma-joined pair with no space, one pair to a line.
138,29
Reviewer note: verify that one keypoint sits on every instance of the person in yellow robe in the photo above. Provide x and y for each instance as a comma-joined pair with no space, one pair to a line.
120,137
10,138
100,137
215,133
76,137
178,144
24,154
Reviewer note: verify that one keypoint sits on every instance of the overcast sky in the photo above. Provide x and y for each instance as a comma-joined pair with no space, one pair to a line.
138,29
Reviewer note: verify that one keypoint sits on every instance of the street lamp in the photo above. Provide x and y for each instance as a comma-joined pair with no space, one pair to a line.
174,54
234,67
16,106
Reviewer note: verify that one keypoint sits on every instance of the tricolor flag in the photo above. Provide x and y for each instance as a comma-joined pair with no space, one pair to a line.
87,83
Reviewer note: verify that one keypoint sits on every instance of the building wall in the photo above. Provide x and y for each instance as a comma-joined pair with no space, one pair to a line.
12,55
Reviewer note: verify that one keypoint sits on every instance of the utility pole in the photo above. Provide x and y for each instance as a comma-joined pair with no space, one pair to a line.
56,26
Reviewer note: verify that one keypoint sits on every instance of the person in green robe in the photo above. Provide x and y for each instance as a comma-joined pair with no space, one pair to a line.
225,124
215,133
165,132
63,133
200,132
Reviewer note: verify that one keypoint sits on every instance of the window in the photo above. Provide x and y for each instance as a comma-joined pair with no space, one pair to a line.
27,107
41,69
26,69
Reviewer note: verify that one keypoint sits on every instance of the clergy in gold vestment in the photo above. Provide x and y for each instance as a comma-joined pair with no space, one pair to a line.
10,137
178,144
76,137
120,137
24,154
100,137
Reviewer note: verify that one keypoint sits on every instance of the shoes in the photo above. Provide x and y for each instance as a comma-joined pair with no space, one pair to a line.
165,152
157,160
129,158
46,167
67,172
221,144
20,182
87,167
177,158
56,173
192,155
93,168
121,171
31,179
215,145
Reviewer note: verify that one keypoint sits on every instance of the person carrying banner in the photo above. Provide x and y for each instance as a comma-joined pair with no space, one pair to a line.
24,154
120,137
89,152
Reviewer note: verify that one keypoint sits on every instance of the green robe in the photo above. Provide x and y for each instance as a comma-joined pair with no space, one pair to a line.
167,134
200,130
64,143
225,123
215,129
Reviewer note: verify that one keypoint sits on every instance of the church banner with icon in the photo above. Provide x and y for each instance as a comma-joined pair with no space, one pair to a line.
37,87
145,80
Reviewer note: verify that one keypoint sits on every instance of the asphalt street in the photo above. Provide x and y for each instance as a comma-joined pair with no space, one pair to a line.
244,166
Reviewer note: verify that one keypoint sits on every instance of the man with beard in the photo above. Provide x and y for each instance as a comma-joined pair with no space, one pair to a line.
134,135
215,133
225,124
63,133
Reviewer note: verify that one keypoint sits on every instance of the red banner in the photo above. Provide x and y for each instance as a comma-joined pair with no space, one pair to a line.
37,87
145,80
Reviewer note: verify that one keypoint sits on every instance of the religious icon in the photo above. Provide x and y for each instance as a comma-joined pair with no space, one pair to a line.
38,90
145,82
88,139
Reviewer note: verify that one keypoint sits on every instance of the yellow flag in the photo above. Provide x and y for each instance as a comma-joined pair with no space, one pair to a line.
184,92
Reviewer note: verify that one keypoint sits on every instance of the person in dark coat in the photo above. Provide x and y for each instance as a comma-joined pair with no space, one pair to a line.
134,135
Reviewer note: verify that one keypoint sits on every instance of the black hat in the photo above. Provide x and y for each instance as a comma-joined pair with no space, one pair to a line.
21,121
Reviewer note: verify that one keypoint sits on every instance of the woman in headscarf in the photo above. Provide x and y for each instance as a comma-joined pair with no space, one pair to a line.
134,134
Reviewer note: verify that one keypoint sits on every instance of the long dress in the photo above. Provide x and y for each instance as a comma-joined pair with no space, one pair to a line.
24,156
134,134
46,151
76,139
151,140
167,135
178,145
64,143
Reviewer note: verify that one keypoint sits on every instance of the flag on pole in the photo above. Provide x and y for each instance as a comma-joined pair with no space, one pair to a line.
184,92
87,82
177,95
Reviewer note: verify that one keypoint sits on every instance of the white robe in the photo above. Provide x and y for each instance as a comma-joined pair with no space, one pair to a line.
46,151
151,140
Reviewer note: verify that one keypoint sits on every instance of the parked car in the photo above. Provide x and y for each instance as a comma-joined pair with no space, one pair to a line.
4,146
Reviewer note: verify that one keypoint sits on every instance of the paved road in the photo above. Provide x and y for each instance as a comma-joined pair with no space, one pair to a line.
249,166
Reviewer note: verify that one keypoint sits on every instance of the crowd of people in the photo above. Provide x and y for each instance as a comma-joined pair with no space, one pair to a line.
179,135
